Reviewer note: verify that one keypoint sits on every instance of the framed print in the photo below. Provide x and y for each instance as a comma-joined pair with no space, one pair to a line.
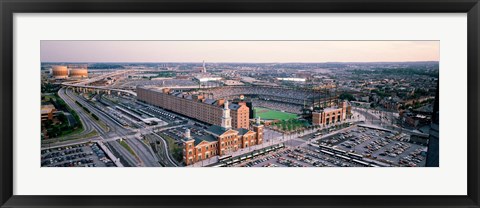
245,104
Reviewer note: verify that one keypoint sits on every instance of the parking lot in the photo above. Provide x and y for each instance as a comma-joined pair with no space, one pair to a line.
298,157
390,147
178,133
80,155
355,146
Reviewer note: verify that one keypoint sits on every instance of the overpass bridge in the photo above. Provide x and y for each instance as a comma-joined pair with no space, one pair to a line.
98,89
81,86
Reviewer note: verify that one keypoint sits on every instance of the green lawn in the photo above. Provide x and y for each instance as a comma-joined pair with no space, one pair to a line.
174,149
269,114
74,136
127,147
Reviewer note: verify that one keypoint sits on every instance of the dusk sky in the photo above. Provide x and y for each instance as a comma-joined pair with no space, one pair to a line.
239,51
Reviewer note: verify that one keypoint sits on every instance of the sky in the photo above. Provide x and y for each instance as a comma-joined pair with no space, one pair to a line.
239,51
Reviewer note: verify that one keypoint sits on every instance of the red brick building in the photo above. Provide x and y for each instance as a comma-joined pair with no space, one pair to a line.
196,106
331,114
220,140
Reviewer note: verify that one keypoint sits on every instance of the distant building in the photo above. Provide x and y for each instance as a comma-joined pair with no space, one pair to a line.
232,83
391,103
292,79
414,118
79,72
64,72
201,69
204,70
360,104
207,78
182,77
304,74
196,106
59,72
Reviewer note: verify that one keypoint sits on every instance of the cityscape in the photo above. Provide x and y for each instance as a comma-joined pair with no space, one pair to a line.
239,104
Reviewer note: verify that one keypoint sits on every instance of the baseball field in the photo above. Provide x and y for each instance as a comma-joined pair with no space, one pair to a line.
269,114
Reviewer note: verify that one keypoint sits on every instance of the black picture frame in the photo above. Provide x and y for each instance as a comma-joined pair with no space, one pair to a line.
9,7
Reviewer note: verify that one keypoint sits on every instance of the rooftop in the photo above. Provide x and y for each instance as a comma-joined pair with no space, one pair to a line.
218,130
208,138
233,106
47,108
188,96
242,131
209,101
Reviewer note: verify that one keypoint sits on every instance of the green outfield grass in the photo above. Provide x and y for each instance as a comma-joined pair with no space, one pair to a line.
269,114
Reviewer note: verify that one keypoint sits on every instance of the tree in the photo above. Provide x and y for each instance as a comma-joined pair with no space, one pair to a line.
61,117
177,153
347,96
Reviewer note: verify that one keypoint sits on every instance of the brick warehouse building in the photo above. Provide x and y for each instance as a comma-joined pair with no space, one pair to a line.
195,106
220,140
331,114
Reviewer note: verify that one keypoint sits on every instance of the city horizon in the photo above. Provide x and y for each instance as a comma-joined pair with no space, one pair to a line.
239,51
195,62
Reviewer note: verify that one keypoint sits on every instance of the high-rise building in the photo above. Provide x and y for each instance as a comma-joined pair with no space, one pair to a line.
433,151
204,70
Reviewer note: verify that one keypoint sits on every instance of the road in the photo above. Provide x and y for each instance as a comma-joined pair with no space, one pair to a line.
163,152
371,117
144,159
127,157
115,131
87,127
383,119
144,152
90,125
83,84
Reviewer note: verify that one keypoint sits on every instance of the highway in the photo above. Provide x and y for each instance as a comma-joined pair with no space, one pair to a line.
83,84
126,157
146,156
144,152
117,131
90,124
84,118
88,118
